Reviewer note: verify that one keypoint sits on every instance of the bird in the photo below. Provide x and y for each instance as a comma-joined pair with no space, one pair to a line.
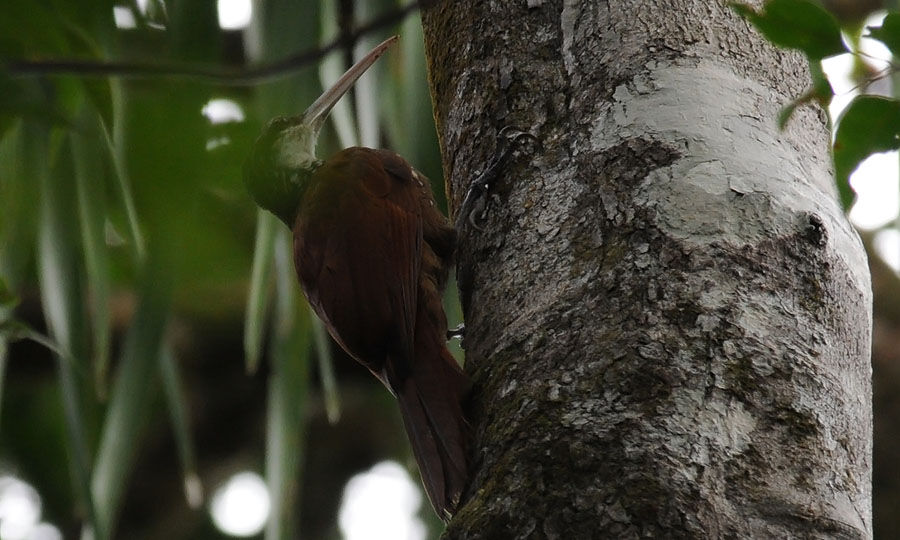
372,254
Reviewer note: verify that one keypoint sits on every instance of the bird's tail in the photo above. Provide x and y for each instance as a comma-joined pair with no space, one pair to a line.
431,403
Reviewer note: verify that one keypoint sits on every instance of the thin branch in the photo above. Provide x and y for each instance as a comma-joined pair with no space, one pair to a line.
869,81
244,76
890,63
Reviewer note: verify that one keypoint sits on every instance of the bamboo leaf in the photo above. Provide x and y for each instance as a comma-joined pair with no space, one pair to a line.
330,393
19,196
7,302
7,299
408,118
331,68
12,330
260,286
25,99
288,384
89,176
113,135
366,90
131,396
176,400
61,299
420,136
283,27
3,352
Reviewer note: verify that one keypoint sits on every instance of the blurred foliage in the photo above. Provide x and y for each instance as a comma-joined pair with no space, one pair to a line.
130,255
867,126
854,12
797,24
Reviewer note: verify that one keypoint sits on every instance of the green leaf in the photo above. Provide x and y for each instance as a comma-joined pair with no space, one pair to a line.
326,370
3,353
7,302
89,182
61,299
131,396
367,90
869,125
12,330
797,24
92,18
821,90
260,285
288,384
330,69
19,196
888,33
407,114
98,90
30,28
176,399
58,245
112,134
29,99
7,298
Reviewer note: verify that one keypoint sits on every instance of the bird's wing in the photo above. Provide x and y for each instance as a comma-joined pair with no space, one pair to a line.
357,241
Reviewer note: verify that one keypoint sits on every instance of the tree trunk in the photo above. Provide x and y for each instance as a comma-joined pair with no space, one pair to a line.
668,315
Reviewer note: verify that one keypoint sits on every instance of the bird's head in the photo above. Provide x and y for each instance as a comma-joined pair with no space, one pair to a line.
284,156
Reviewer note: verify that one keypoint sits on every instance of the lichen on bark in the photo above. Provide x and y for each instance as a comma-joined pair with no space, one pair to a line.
667,314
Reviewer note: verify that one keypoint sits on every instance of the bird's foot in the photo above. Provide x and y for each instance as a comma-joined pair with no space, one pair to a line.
475,201
457,332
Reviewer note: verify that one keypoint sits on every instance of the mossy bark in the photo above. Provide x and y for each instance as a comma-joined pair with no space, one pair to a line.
668,317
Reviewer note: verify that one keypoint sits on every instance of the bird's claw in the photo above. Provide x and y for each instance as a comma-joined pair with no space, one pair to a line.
478,203
457,332
475,201
512,134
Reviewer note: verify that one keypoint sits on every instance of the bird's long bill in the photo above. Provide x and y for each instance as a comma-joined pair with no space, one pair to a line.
316,114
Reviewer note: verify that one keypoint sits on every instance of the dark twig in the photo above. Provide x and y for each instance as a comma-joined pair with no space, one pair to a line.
245,76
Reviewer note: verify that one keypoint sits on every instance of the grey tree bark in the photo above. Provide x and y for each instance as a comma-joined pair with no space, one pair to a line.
668,315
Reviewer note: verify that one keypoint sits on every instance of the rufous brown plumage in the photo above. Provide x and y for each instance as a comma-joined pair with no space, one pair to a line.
372,254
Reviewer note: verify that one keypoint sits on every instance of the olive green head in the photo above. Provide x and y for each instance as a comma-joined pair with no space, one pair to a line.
283,158
279,165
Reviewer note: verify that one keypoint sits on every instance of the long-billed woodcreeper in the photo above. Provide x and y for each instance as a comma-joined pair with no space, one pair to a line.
372,253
